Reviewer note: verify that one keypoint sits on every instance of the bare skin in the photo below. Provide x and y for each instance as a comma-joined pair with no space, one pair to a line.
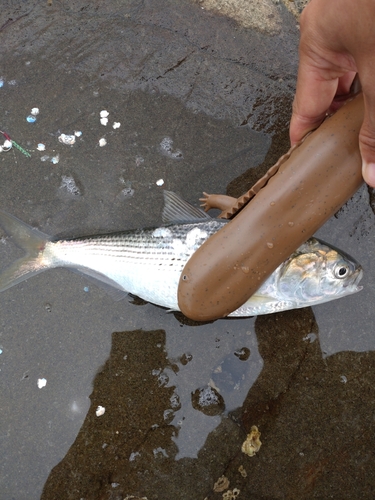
337,41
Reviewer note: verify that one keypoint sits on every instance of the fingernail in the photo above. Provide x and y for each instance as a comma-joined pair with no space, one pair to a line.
368,172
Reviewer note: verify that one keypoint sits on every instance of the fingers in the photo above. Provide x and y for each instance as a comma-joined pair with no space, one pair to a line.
345,83
367,140
343,92
337,40
313,99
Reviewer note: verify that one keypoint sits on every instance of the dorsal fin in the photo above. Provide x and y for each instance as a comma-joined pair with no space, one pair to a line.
177,210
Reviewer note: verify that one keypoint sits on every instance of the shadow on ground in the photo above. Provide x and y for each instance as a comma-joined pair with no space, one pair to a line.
306,409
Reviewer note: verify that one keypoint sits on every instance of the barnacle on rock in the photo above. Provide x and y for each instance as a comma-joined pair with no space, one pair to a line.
231,494
252,443
242,471
221,484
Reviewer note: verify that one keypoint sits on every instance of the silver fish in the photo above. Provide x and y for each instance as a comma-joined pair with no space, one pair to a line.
149,262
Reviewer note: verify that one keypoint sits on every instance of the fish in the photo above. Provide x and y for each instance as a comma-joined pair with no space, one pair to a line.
148,262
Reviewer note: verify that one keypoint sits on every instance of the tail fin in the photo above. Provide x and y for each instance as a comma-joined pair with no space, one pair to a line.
32,241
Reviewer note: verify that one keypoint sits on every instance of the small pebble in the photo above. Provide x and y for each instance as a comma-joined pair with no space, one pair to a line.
102,142
160,182
117,125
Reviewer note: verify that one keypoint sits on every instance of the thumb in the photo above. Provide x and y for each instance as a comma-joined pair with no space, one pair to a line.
367,141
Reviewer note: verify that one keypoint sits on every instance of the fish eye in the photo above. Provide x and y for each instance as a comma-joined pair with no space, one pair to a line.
341,271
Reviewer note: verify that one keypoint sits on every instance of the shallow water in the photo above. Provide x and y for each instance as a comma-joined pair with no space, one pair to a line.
203,105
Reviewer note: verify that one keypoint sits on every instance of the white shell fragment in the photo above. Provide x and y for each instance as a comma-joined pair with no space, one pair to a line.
104,114
104,121
6,146
100,411
160,182
41,147
116,125
67,139
102,142
35,111
77,133
42,382
55,159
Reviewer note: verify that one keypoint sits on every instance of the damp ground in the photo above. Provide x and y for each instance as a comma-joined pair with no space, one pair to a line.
203,102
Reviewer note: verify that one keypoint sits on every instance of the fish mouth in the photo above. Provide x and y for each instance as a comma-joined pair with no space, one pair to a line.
358,275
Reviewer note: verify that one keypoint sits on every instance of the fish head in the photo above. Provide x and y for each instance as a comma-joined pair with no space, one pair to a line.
318,272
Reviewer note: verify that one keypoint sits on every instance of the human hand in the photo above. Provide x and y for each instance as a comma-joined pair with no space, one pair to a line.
337,41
